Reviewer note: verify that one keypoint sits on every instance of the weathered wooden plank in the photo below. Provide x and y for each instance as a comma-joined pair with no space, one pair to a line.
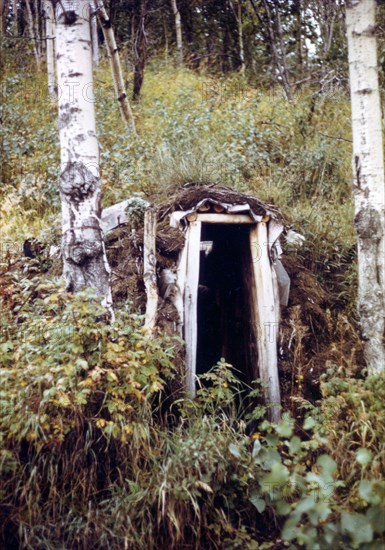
149,268
225,218
114,215
266,315
191,304
181,281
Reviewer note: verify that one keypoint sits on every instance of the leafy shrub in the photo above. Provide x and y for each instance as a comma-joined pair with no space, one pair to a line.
93,456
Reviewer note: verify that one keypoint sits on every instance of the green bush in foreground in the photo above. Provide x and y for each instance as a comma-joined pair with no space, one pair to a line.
97,453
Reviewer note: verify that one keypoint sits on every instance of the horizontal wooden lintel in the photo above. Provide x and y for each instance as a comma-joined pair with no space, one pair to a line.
225,218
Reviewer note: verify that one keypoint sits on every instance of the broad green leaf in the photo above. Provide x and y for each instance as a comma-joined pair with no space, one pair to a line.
357,526
328,467
294,445
309,423
364,456
277,477
258,502
285,427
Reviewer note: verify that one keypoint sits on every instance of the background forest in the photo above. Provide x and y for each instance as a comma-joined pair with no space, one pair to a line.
97,449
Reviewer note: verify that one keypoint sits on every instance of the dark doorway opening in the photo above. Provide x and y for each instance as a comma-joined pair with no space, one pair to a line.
225,300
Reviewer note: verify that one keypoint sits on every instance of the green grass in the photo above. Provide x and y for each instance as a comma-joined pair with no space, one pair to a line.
194,128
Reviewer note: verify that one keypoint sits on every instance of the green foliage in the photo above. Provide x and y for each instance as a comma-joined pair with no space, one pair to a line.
92,445
64,367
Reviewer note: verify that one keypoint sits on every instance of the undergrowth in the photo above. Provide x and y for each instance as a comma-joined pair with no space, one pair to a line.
99,449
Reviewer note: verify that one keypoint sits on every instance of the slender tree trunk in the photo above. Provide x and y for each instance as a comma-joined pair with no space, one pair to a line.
15,18
117,75
178,29
240,39
238,16
274,36
31,32
2,17
140,51
226,60
83,250
50,41
95,41
368,177
165,39
299,40
36,30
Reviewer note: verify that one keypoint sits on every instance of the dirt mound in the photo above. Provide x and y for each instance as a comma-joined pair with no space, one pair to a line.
192,194
125,255
313,338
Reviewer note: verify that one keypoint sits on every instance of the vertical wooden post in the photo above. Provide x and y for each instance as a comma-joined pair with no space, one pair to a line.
149,268
181,273
191,304
266,315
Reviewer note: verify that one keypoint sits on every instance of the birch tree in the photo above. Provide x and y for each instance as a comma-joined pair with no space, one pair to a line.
238,16
31,32
368,177
50,40
94,38
178,30
116,69
83,250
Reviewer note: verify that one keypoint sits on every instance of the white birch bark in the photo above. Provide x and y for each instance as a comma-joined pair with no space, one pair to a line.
238,16
50,41
178,30
31,32
83,250
117,75
368,177
94,38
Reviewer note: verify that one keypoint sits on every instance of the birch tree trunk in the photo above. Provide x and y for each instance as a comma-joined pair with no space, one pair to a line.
368,177
238,16
83,250
50,40
31,32
178,29
94,39
117,75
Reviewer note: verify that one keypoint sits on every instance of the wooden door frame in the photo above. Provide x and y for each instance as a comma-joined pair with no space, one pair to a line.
264,302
